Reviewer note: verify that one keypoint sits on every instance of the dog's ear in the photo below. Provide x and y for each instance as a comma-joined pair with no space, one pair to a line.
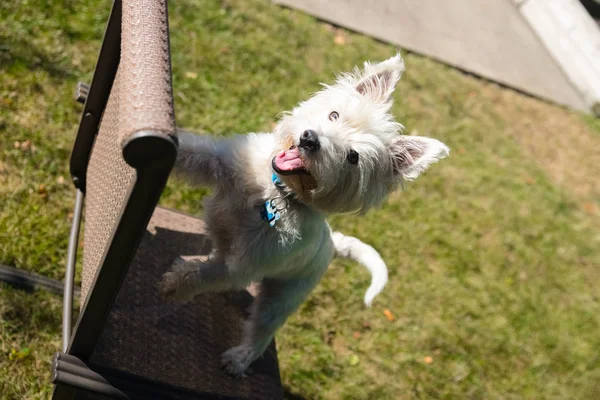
411,155
378,81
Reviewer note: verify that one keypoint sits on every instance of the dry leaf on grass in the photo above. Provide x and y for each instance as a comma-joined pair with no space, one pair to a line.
428,360
589,207
339,40
42,191
389,315
191,75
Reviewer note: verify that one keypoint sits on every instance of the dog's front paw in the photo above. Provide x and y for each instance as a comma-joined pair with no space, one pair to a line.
237,359
172,288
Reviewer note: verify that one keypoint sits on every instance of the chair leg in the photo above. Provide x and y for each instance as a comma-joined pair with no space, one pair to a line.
70,272
70,371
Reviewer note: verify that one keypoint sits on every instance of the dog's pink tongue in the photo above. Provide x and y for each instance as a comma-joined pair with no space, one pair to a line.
289,160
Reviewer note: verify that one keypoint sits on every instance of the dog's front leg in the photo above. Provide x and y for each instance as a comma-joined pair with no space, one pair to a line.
187,279
202,159
274,303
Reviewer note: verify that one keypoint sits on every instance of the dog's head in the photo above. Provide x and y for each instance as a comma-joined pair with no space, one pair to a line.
341,150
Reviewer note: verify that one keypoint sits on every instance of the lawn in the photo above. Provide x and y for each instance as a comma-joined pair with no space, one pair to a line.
494,254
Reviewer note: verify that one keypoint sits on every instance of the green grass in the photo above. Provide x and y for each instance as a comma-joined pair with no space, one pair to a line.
493,254
29,335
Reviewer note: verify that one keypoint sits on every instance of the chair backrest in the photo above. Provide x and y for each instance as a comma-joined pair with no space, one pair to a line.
124,151
140,101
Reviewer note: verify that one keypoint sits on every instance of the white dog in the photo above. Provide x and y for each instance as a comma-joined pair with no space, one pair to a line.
338,152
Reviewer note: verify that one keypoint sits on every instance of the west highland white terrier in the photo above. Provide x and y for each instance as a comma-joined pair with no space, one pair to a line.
338,152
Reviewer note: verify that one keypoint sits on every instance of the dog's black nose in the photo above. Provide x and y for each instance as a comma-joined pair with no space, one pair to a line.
309,140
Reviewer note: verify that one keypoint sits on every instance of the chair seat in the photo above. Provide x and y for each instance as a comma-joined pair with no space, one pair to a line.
150,349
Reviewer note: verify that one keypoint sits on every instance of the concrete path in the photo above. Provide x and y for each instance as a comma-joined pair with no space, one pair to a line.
488,38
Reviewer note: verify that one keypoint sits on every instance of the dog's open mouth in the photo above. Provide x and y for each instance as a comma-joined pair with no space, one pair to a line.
288,162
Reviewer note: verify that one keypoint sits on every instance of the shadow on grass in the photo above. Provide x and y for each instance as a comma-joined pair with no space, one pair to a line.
24,53
26,313
289,395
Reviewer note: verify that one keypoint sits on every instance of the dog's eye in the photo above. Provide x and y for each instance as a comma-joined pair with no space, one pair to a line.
352,157
334,116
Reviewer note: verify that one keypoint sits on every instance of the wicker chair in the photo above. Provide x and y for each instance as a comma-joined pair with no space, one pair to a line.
126,342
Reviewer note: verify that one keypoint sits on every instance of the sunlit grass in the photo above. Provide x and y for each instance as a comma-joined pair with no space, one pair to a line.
493,254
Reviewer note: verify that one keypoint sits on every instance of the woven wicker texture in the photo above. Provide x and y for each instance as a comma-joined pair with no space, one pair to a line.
179,345
141,99
147,98
109,180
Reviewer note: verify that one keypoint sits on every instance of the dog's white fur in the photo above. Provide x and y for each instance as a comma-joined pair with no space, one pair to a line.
290,258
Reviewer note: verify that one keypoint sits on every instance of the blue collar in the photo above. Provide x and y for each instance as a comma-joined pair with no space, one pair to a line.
277,182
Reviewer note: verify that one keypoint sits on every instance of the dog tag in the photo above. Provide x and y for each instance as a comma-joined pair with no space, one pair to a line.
270,213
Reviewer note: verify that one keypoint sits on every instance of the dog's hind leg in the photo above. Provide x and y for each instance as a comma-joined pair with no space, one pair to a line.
187,279
276,300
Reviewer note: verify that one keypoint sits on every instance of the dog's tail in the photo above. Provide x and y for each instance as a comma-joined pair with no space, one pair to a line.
351,247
